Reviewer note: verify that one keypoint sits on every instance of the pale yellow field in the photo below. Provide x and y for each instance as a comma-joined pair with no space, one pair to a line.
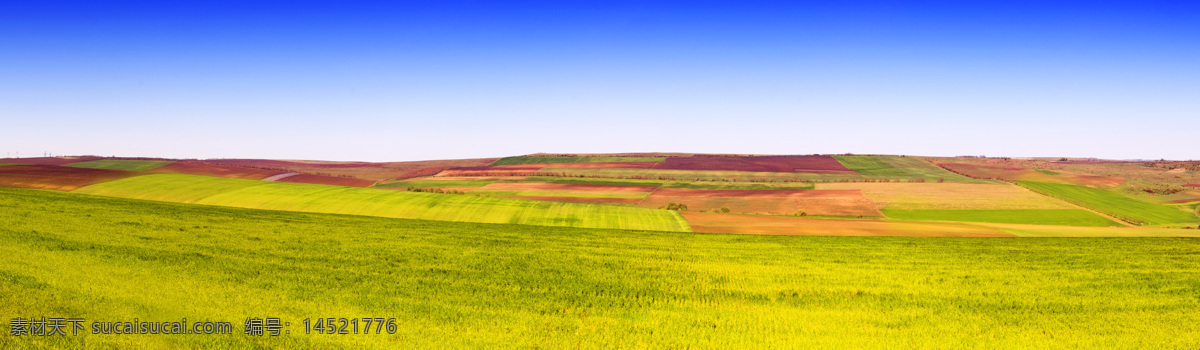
910,196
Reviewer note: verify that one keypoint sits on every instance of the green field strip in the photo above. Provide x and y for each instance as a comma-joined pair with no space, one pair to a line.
3,164
437,183
385,203
560,194
589,181
546,160
1064,217
118,164
1113,204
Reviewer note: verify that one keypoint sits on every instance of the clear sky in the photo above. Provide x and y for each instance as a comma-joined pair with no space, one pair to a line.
390,81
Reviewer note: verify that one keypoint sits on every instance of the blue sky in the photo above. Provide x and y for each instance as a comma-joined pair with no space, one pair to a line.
388,81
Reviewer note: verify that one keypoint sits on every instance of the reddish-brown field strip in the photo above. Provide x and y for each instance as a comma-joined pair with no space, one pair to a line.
48,160
622,165
1023,174
1187,200
774,202
51,177
778,164
565,188
776,225
575,199
1192,186
195,168
441,178
1096,181
486,172
328,180
984,171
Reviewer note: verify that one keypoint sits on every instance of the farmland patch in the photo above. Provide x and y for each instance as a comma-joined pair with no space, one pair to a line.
1113,204
1065,217
120,164
923,196
51,177
781,225
782,164
546,160
774,202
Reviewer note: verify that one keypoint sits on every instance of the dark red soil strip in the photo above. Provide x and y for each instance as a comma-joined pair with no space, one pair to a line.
51,177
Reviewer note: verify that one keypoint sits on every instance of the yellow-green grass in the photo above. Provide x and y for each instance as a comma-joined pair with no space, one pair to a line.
437,183
385,203
465,285
559,194
1114,204
3,164
937,196
901,167
1064,217
546,160
118,164
1024,230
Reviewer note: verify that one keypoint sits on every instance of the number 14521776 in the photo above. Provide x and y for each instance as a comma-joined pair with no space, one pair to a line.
363,325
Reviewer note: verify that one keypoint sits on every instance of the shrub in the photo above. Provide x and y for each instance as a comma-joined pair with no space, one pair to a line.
800,212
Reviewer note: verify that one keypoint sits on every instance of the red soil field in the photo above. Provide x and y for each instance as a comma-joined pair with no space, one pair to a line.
48,160
1192,186
59,178
530,169
196,168
567,188
778,225
575,199
328,180
1023,174
622,165
984,171
773,202
778,164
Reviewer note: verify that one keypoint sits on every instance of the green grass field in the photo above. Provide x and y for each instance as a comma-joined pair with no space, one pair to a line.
467,285
1113,204
1067,217
385,203
3,164
545,160
117,164
437,183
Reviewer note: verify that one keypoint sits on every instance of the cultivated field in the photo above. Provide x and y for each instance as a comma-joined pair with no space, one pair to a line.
55,177
118,164
544,160
465,285
1121,207
772,202
376,202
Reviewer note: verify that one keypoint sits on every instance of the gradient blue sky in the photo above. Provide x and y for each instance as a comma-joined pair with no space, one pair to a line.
389,81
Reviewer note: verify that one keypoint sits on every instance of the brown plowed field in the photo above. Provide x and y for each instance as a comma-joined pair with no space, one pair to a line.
328,180
1186,200
776,164
774,202
214,170
778,225
622,165
1192,186
565,188
48,160
457,172
575,199
51,177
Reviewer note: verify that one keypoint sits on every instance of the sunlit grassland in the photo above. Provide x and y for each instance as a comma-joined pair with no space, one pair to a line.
1066,217
546,160
385,203
118,164
1114,204
466,285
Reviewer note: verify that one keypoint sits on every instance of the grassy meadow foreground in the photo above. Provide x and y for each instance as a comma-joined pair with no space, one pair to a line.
454,285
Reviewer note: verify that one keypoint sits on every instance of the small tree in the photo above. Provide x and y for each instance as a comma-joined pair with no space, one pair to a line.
725,210
800,212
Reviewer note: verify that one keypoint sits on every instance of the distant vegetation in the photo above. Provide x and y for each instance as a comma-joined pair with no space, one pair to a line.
117,164
547,160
